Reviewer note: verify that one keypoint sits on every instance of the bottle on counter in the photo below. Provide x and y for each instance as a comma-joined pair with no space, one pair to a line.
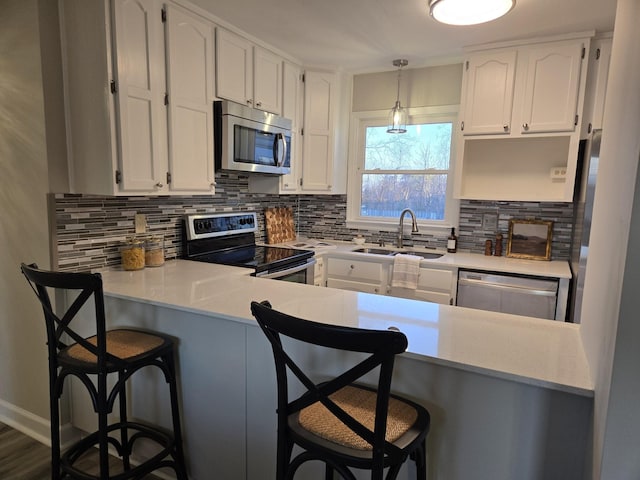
452,241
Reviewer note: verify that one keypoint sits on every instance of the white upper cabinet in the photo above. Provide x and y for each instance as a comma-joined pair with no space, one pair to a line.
139,120
190,93
247,74
521,111
267,80
139,85
551,89
292,103
311,105
525,90
320,98
489,93
234,71
596,85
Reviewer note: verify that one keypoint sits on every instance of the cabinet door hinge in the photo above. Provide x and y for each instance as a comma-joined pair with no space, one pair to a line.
118,177
164,15
584,50
168,178
114,87
166,99
576,121
597,54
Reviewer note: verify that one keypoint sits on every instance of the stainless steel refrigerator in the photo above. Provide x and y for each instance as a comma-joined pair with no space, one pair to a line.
583,209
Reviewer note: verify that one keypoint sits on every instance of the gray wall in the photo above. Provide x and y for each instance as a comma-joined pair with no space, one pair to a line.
23,215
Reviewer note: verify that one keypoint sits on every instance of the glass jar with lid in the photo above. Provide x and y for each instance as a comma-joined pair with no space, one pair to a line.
154,251
132,254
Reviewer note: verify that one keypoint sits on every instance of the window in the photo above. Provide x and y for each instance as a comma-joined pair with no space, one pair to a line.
412,170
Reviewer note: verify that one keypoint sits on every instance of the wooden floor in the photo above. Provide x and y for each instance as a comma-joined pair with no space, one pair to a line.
23,458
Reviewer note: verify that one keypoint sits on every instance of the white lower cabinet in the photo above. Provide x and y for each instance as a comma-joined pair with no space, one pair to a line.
435,285
357,275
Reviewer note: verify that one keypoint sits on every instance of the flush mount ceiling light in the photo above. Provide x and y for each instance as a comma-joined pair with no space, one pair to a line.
468,12
398,115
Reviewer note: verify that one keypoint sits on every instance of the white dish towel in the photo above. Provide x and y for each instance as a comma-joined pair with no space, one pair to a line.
406,270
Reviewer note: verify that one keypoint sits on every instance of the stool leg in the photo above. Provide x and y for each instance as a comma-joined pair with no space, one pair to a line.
103,443
54,409
124,434
181,470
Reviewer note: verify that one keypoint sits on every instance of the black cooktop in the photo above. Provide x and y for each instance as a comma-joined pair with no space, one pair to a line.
260,257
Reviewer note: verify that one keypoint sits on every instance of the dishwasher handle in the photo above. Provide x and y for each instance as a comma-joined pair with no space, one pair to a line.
506,288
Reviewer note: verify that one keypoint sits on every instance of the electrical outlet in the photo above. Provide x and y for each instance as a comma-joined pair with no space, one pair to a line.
141,223
558,172
490,222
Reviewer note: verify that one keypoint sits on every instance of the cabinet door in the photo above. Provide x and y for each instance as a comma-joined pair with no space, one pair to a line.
489,93
552,85
319,105
292,109
190,88
234,67
603,58
140,86
267,81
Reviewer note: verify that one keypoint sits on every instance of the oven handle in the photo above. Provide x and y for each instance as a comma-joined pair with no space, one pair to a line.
288,271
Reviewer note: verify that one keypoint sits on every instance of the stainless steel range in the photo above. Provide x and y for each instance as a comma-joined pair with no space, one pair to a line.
229,239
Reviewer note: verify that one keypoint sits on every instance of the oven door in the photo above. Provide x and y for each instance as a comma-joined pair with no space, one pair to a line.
297,274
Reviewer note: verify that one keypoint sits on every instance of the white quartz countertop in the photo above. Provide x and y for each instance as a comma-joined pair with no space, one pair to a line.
553,268
528,350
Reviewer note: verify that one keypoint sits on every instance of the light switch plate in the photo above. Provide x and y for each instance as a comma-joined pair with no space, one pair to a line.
141,223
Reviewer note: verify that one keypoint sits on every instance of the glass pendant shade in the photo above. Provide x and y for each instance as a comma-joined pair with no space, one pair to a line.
397,119
468,12
398,115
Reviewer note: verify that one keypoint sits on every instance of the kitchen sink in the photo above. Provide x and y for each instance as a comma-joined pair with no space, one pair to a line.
382,251
425,255
375,251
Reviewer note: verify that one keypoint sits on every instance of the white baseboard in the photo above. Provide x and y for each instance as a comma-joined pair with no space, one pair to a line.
35,426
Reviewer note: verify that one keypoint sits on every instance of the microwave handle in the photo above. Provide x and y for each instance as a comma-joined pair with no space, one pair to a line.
279,160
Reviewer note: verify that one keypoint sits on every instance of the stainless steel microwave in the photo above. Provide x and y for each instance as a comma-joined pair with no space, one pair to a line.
250,140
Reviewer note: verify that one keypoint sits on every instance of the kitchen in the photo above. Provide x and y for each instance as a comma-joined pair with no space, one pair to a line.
238,194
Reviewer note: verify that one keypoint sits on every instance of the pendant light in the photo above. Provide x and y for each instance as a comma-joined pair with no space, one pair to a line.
469,12
398,115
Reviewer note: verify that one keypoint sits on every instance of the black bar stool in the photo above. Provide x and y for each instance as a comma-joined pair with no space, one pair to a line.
338,422
122,352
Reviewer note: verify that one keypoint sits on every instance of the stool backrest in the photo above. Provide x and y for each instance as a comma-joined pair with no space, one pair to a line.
382,345
88,285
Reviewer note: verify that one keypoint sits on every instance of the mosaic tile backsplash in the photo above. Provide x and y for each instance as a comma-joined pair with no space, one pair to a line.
90,229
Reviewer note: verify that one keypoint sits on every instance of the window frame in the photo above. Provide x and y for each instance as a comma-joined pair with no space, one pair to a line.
359,122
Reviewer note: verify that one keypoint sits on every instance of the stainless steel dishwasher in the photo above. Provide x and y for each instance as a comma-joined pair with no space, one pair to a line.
507,293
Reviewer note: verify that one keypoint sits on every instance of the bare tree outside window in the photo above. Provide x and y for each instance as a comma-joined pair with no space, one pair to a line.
408,170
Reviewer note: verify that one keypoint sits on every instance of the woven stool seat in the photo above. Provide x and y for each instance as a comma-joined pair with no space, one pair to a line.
361,405
123,344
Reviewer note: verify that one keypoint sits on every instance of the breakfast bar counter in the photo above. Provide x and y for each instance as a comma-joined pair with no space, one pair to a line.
521,382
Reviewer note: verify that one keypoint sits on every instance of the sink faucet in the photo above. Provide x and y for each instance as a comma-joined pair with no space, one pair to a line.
414,225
